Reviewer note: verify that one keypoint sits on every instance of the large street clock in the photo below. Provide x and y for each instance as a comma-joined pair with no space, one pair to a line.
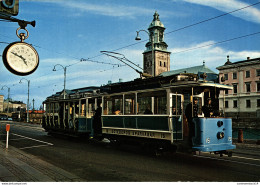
20,58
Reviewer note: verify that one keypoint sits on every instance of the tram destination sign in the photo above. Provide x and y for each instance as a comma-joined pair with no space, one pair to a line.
9,7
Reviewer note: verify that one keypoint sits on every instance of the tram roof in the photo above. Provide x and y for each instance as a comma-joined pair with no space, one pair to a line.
183,81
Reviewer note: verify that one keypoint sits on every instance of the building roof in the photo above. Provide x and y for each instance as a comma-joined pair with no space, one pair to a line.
194,70
248,61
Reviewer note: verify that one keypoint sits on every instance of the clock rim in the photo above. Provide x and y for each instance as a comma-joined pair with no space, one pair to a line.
6,63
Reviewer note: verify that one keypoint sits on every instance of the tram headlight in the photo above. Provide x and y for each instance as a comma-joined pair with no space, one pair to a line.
208,140
220,135
220,123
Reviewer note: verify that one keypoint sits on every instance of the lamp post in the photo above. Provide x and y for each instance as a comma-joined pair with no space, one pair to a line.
27,98
64,68
152,42
8,97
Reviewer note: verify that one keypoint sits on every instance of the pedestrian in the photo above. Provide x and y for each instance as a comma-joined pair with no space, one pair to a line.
207,109
190,114
97,125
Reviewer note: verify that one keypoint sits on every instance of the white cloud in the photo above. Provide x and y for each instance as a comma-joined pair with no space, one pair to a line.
250,14
213,56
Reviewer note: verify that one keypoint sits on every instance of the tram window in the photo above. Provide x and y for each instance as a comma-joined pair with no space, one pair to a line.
83,108
113,105
77,109
47,107
129,104
154,102
56,107
160,103
91,108
144,104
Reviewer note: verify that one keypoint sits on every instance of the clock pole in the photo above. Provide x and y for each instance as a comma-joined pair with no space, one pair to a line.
27,98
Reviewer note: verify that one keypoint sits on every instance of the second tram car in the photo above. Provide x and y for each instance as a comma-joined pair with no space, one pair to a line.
149,111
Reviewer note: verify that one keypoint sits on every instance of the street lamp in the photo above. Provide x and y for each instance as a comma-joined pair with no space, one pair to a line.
8,97
152,42
64,68
27,98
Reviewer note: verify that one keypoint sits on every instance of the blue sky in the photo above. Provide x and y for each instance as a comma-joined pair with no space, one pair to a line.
68,30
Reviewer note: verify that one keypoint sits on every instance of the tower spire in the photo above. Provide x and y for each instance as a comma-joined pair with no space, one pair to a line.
156,56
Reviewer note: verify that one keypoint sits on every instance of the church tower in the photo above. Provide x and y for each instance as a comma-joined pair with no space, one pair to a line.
156,58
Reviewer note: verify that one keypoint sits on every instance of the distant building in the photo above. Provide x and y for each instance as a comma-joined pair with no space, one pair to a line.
1,103
13,106
243,102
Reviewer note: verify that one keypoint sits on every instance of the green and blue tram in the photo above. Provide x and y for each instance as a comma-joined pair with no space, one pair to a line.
148,111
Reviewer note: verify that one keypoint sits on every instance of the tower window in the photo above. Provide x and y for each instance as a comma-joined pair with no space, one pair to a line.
160,63
164,64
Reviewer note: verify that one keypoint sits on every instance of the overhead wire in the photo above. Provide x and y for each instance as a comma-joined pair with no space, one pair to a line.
220,42
185,27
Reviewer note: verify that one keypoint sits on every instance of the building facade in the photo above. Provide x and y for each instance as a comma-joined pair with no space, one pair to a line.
243,102
156,58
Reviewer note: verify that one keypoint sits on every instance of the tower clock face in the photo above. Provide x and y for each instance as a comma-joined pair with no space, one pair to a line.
20,58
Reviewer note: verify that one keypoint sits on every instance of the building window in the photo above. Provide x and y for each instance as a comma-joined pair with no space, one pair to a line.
164,64
258,86
248,103
226,76
235,75
235,88
161,63
226,91
258,72
258,102
247,74
235,103
226,104
248,87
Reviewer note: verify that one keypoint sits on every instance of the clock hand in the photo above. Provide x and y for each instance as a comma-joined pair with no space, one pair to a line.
20,56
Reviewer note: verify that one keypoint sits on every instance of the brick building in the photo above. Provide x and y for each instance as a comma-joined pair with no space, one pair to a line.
243,102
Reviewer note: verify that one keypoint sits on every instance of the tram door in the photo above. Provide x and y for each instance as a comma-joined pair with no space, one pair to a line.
176,114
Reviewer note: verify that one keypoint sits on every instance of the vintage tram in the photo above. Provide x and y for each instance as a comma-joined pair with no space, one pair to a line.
148,111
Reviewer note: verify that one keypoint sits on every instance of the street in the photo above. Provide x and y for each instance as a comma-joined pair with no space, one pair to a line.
99,161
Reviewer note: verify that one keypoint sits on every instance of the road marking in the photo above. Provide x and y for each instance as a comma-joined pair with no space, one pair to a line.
227,160
35,128
36,146
46,143
246,158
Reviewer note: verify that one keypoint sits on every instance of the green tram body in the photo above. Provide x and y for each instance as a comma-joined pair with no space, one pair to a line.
74,114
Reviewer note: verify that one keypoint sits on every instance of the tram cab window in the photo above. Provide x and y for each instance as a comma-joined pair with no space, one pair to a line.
129,104
113,105
176,105
200,102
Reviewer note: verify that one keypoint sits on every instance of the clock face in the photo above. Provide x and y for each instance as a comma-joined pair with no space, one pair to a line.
20,58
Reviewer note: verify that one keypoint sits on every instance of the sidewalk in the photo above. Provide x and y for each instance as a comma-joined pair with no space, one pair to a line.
17,166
